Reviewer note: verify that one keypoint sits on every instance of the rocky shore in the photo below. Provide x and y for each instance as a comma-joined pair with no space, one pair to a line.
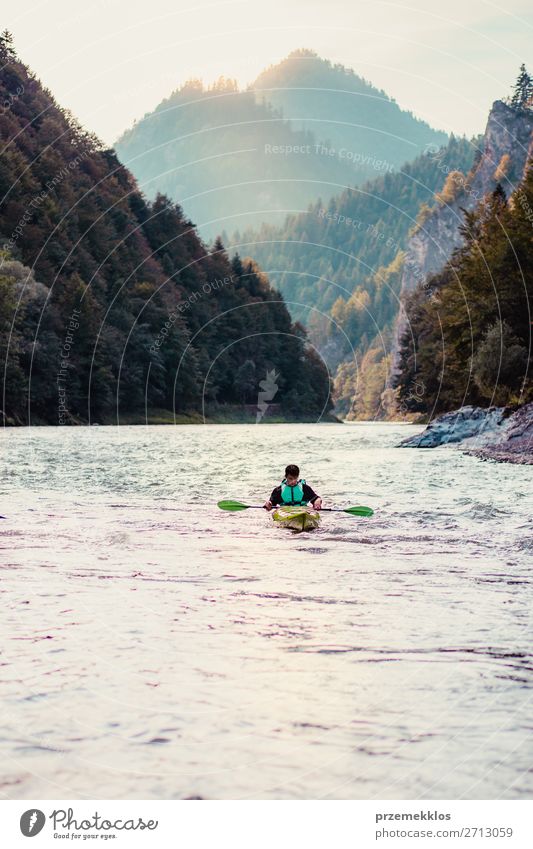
493,433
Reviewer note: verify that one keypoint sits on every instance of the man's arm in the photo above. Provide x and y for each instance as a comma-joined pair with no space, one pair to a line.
311,496
275,498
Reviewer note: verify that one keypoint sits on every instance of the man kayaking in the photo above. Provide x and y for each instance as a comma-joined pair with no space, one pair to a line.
293,491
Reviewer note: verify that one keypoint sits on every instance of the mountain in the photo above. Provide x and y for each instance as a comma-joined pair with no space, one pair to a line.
111,306
464,334
501,159
345,266
225,157
346,112
332,248
236,158
339,266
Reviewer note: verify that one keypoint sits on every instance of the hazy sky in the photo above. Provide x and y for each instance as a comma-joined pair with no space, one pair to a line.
110,61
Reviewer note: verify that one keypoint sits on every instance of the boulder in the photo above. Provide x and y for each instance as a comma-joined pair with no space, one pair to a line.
515,444
493,433
465,423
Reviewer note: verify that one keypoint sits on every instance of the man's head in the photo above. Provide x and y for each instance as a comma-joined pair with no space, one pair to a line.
292,474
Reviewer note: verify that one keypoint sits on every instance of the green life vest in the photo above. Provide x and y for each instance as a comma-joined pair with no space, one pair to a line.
293,495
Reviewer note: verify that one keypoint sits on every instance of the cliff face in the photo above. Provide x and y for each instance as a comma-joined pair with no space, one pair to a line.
506,148
502,159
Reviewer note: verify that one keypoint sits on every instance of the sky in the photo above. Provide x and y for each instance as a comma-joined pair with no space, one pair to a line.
111,61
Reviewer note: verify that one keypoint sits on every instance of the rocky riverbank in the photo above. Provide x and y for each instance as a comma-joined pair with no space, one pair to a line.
493,433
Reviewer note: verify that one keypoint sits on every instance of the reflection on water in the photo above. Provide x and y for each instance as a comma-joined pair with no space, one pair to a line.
153,646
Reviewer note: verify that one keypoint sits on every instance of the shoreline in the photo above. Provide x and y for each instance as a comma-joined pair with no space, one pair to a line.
500,434
502,456
166,417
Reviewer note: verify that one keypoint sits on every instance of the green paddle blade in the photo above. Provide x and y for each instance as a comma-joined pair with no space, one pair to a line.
359,511
232,505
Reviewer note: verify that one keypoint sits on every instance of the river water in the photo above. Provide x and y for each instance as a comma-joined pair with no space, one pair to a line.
155,647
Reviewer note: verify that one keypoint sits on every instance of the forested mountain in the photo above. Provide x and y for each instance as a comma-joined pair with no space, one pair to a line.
331,249
346,112
110,305
467,332
468,340
501,158
226,158
465,327
344,266
234,159
339,266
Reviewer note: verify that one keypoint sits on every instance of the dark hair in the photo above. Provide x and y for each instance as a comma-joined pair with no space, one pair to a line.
292,471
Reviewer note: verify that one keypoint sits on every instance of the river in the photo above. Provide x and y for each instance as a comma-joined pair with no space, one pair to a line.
155,647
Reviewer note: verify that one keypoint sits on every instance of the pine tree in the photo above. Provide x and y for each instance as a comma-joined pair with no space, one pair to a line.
237,266
7,51
218,247
523,90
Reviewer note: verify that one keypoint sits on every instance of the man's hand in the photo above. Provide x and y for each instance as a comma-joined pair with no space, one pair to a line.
317,503
267,505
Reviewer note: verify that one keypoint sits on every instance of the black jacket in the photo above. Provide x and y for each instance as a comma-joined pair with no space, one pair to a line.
309,494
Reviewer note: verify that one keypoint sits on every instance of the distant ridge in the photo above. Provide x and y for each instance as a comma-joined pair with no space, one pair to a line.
305,129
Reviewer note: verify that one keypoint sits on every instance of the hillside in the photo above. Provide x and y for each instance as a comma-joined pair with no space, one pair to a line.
111,306
458,309
330,261
226,158
465,331
234,159
346,112
501,158
345,266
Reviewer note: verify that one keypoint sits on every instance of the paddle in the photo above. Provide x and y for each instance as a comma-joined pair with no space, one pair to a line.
235,506
353,511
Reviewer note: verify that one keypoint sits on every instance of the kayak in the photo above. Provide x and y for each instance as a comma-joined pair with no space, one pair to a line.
297,518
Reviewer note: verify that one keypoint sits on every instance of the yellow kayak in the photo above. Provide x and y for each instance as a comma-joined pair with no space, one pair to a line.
297,518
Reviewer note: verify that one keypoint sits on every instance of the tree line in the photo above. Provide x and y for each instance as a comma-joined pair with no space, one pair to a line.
469,334
468,339
110,304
